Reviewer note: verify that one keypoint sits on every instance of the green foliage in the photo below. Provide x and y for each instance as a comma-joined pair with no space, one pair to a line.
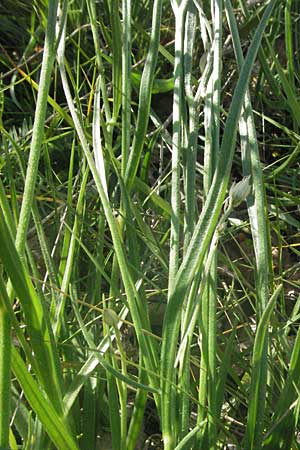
149,226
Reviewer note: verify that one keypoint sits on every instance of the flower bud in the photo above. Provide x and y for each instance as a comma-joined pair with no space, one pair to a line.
239,191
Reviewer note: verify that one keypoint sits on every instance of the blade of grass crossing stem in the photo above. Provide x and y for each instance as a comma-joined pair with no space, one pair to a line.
134,251
46,254
37,321
145,94
131,292
88,367
185,441
287,162
119,375
5,361
252,440
203,232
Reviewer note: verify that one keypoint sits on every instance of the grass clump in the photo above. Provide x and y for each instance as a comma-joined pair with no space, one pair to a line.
149,225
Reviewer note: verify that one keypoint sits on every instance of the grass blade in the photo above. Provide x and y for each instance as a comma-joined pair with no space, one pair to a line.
252,440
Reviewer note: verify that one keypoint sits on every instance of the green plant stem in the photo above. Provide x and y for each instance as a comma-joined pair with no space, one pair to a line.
177,144
93,18
5,368
117,53
209,168
189,161
180,12
122,388
145,96
38,127
126,83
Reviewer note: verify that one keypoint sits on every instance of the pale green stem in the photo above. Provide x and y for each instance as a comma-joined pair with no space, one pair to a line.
93,19
176,142
38,126
145,94
126,83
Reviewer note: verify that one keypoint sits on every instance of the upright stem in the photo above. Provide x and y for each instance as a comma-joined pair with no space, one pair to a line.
169,422
145,96
93,18
177,142
38,127
126,83
5,363
212,163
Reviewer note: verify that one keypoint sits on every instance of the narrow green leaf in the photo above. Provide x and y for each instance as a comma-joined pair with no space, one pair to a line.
37,320
53,423
256,393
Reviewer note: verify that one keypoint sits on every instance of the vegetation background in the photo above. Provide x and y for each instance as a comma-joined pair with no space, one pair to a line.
149,224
